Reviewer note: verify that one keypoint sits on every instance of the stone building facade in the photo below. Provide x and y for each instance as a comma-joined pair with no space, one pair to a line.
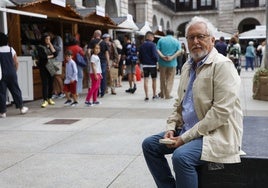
229,16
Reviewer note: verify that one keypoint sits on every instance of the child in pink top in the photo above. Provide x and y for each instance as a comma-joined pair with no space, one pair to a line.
95,76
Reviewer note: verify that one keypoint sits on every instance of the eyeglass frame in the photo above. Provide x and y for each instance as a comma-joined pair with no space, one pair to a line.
199,37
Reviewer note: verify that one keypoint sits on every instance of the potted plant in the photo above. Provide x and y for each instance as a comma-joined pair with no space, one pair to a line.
260,84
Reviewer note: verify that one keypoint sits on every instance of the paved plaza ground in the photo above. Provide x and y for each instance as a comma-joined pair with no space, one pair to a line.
90,147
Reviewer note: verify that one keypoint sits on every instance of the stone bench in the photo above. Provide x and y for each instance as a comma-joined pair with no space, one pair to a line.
252,172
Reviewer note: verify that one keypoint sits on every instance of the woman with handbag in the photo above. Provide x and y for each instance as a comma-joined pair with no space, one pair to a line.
46,54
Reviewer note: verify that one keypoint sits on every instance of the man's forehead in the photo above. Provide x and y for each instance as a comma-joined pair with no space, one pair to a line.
197,28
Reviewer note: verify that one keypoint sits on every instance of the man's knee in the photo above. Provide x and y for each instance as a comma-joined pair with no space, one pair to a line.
146,143
179,158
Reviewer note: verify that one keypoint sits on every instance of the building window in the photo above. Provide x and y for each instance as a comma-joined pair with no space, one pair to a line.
249,3
184,5
206,4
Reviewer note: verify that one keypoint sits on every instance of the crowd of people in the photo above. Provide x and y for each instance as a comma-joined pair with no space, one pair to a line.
253,52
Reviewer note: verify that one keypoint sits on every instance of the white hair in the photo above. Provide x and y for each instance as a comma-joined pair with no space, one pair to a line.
198,19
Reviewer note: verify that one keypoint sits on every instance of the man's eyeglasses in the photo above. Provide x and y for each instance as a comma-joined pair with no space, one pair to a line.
198,37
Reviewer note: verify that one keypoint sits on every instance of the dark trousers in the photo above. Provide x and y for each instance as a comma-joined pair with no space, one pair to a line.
47,83
104,79
10,82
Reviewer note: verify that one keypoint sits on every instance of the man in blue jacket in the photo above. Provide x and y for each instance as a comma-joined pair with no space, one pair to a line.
148,57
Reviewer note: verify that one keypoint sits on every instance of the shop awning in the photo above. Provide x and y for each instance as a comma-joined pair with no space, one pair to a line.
45,7
258,33
143,28
90,16
68,13
5,3
126,23
219,34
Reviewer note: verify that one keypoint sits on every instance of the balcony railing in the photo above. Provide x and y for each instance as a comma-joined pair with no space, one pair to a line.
180,6
249,3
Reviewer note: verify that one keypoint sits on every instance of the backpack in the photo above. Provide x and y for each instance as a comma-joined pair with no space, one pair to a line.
132,56
233,52
80,60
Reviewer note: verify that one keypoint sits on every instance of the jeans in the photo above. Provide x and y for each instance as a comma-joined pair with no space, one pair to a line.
80,76
249,63
104,79
185,159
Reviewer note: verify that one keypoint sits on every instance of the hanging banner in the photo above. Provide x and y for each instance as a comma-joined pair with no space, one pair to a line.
59,2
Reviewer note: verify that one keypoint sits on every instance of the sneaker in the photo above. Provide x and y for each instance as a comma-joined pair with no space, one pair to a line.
160,95
146,99
155,97
88,103
24,110
68,102
61,95
44,104
50,101
3,115
74,103
129,90
54,96
134,89
96,102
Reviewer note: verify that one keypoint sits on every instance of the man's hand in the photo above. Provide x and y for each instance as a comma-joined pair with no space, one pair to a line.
169,134
178,141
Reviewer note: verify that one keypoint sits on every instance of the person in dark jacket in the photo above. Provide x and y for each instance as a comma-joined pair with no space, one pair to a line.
9,80
148,57
45,52
221,46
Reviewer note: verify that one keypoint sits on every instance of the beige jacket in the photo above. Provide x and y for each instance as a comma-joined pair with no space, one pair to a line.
217,104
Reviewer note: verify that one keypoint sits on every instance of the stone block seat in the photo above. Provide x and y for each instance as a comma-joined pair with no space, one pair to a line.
252,172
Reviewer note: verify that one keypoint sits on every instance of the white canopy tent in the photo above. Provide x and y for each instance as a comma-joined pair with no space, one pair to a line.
128,24
258,33
145,28
219,34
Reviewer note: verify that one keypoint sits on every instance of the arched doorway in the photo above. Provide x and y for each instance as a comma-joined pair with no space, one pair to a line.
155,25
247,24
181,30
162,24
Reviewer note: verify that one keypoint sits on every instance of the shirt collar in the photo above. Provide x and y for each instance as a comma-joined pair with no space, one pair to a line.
199,64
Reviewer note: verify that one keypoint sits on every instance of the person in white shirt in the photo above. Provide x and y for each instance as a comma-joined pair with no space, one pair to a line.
9,80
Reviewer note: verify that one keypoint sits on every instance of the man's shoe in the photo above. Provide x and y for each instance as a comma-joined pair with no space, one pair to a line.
170,97
88,103
74,104
129,90
68,102
155,97
96,103
24,110
61,95
50,102
113,92
44,104
133,90
3,115
54,96
160,95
